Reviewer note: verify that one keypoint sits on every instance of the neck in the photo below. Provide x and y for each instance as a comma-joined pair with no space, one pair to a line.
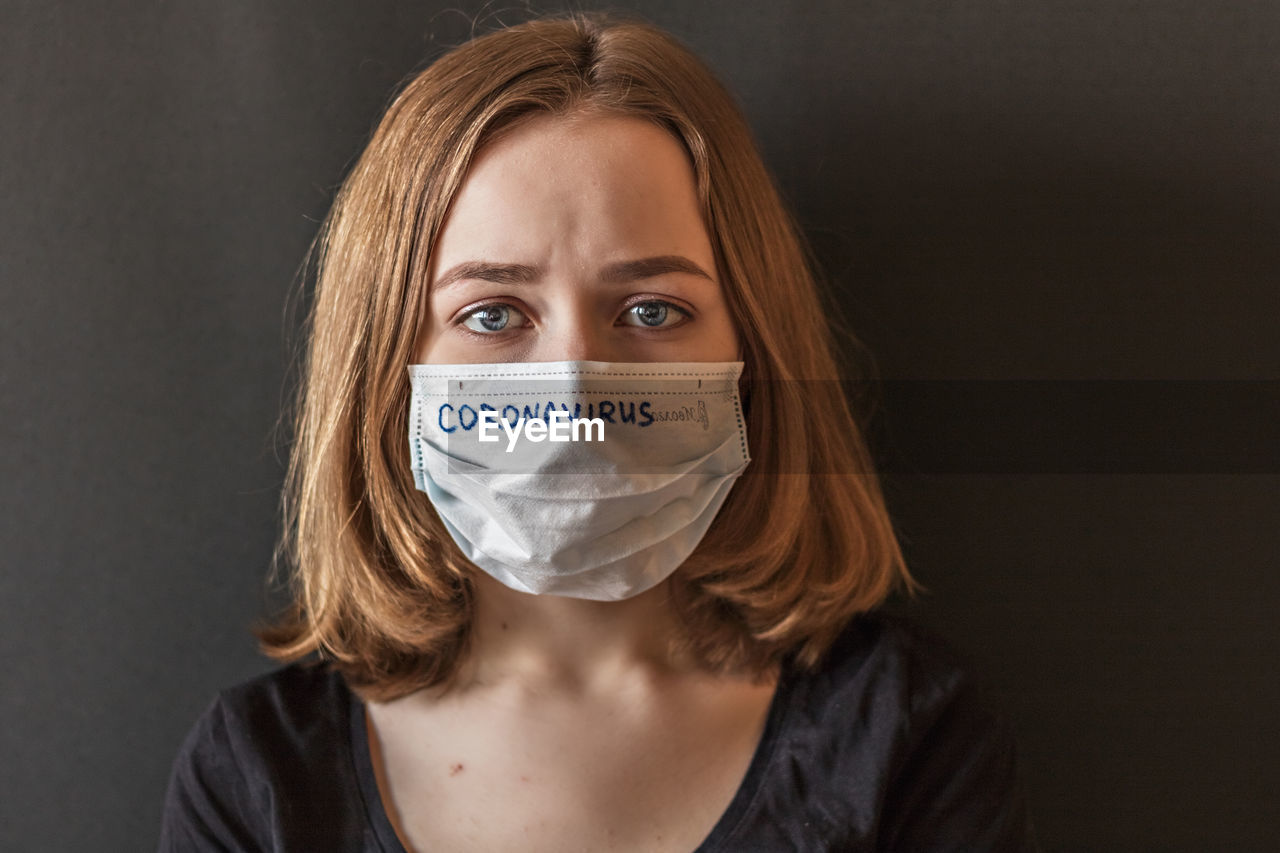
548,641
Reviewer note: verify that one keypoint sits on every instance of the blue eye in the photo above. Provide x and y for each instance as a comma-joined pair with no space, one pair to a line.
653,314
490,319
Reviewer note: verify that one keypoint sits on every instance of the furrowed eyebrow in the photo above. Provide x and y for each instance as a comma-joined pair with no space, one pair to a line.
486,271
650,267
617,273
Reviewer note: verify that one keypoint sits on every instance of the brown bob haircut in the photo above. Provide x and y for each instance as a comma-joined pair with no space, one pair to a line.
804,541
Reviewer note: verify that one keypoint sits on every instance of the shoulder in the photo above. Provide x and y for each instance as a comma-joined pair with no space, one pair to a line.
911,670
262,755
897,704
275,720
300,699
898,644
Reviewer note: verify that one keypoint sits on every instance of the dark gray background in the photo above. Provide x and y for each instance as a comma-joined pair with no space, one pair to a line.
999,190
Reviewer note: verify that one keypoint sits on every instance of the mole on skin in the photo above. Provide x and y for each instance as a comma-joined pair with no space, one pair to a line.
455,769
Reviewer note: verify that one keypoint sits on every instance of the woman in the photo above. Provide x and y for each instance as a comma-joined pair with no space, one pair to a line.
661,638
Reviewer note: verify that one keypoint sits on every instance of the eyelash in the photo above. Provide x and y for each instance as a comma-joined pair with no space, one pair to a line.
470,311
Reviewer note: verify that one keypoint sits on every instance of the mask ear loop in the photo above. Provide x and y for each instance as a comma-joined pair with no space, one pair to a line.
744,386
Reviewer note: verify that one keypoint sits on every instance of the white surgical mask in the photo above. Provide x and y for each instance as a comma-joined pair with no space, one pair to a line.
603,519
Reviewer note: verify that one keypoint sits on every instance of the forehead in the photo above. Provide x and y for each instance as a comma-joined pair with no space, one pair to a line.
582,183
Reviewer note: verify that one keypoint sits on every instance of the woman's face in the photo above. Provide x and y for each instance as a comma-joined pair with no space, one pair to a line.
576,238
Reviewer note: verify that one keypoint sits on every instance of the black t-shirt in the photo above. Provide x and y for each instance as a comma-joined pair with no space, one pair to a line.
893,744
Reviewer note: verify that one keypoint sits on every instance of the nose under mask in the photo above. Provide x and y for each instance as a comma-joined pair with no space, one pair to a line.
584,479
